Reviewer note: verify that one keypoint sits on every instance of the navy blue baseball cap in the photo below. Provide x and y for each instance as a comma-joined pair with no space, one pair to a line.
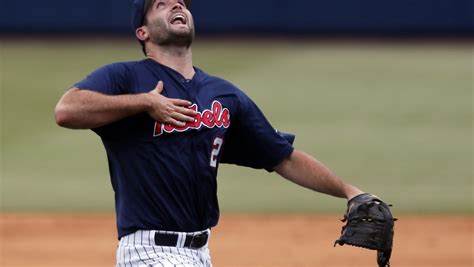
139,9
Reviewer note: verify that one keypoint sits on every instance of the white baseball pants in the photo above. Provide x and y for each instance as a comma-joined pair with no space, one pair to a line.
139,250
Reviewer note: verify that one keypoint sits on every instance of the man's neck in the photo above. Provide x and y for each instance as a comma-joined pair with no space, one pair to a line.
177,58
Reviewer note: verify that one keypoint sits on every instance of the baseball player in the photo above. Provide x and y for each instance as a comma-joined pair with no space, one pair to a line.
166,126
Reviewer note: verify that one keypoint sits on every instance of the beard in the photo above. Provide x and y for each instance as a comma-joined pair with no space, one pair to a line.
162,35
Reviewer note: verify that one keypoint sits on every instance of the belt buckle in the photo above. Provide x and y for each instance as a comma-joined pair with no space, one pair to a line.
198,241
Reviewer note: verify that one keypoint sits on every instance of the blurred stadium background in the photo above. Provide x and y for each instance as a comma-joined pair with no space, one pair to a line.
380,91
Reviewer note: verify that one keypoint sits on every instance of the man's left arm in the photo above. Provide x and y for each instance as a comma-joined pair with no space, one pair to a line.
308,172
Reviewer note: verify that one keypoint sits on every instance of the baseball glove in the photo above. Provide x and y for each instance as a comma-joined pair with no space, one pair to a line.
369,224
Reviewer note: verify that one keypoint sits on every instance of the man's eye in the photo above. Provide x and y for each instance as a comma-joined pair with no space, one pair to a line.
160,4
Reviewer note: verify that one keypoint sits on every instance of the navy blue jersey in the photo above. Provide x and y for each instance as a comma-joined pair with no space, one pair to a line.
164,177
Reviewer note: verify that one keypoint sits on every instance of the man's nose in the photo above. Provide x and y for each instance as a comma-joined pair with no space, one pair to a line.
177,6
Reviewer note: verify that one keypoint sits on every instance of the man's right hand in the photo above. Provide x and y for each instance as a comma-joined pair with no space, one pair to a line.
169,110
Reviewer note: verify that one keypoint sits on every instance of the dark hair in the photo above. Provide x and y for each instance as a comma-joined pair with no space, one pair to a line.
146,5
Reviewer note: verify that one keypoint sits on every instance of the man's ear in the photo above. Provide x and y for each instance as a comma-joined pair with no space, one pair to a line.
142,33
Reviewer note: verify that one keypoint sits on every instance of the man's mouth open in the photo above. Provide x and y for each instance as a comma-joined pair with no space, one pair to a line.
178,19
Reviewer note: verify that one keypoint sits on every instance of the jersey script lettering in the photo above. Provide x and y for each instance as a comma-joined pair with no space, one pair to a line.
217,116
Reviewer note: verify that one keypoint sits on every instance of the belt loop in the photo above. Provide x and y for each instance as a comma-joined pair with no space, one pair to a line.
181,240
179,237
192,240
151,238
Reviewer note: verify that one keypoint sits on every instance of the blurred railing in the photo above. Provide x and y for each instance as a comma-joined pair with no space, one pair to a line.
350,17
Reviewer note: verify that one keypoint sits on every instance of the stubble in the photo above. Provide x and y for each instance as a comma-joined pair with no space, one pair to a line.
162,35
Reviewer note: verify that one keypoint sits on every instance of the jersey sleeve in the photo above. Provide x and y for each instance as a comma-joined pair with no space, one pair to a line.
252,141
113,79
110,80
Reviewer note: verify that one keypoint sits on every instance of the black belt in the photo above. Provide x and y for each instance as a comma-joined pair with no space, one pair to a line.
193,241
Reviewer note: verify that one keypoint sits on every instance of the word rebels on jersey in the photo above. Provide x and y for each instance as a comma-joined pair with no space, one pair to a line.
217,116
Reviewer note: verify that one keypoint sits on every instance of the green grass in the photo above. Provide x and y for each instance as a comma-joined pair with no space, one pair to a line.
394,119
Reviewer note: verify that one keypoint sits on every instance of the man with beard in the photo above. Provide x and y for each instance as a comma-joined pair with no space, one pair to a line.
166,126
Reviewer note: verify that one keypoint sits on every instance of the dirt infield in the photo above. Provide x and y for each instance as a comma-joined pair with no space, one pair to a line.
239,240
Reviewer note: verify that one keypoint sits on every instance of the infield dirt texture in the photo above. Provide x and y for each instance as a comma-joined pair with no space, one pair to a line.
239,241
394,118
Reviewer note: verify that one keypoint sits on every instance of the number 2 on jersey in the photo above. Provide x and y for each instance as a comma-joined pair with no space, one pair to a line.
216,148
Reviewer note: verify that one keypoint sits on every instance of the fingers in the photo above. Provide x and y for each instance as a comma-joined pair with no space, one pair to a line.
186,111
182,117
177,102
173,115
170,110
159,87
180,102
177,123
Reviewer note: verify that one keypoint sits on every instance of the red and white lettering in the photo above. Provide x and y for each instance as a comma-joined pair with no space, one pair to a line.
217,116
